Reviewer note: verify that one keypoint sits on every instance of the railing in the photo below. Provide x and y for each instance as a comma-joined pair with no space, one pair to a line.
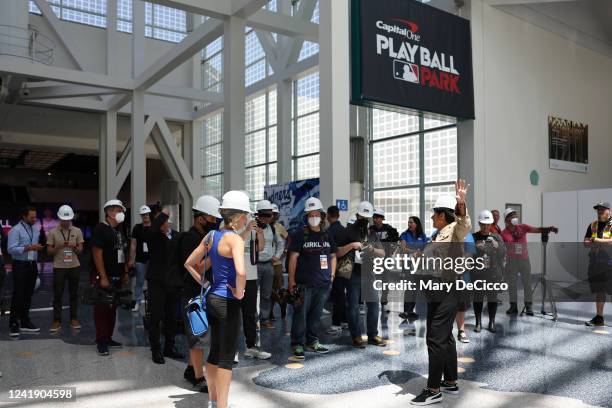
26,43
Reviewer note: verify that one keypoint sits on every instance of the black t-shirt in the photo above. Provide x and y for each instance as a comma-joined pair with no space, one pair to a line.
113,245
188,242
314,262
385,233
495,255
335,230
356,233
139,233
600,229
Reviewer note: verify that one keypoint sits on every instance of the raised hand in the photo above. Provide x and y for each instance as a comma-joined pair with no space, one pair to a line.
461,189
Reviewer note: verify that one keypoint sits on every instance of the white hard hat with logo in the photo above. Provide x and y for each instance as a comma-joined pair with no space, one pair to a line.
379,211
313,204
144,210
485,217
65,213
365,209
114,203
445,201
208,204
264,205
275,209
236,200
508,211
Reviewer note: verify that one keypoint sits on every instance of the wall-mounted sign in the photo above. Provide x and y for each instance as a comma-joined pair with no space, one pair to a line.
342,205
568,145
413,56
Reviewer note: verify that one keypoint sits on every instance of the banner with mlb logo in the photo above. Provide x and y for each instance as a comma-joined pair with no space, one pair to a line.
291,198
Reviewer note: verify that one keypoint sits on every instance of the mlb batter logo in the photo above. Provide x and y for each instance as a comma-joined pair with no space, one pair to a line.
406,71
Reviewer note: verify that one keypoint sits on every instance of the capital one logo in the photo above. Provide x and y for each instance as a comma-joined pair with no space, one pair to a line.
407,29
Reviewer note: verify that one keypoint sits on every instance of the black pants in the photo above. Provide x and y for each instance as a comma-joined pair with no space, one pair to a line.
224,322
248,304
2,276
24,280
338,297
440,341
480,295
164,302
60,276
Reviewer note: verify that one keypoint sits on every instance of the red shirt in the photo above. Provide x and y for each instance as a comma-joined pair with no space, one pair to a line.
495,228
516,241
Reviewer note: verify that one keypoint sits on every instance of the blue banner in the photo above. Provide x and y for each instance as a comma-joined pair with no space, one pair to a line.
291,199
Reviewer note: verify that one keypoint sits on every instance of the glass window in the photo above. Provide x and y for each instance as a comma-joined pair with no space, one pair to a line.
396,162
307,167
212,154
441,156
388,123
399,205
305,127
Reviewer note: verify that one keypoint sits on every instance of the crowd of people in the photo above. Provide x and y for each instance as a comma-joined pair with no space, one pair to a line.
244,260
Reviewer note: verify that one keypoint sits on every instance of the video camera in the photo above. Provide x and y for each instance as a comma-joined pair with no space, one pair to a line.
95,295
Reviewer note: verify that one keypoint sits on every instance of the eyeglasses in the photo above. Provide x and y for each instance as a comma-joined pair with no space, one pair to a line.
263,215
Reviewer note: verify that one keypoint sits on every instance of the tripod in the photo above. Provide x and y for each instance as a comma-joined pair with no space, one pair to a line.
547,294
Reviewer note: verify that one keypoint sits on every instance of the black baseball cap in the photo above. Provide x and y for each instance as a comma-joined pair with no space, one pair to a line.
602,204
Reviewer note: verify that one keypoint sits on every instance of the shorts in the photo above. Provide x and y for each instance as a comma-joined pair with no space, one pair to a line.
600,278
224,326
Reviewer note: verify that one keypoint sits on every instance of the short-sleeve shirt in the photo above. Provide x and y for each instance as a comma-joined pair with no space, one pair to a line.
413,241
111,241
516,241
65,257
139,233
600,229
314,262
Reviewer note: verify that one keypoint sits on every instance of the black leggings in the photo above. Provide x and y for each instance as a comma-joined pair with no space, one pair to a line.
224,321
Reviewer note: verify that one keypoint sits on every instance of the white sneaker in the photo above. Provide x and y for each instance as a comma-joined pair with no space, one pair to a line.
236,359
212,404
334,329
257,353
362,310
385,308
326,312
136,308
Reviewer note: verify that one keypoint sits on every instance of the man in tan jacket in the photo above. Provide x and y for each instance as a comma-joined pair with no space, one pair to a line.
451,220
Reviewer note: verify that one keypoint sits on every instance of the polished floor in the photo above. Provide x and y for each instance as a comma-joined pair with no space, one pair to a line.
529,362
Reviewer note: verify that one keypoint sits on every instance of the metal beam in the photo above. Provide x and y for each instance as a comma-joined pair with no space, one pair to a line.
270,47
12,65
77,104
212,8
67,91
285,25
190,94
291,53
244,8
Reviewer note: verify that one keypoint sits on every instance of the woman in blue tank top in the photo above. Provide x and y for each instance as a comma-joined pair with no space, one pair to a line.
225,249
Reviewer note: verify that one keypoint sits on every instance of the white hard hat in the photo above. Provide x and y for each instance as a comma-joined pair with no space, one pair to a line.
485,217
352,220
144,210
445,201
65,213
208,205
236,200
275,209
379,211
365,209
508,211
313,204
114,203
264,205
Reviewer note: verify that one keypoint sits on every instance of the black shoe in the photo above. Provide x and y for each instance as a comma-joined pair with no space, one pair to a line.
427,397
403,316
114,344
596,321
412,316
528,309
201,382
14,330
513,309
29,327
102,349
173,354
449,388
462,337
189,375
477,327
158,357
492,327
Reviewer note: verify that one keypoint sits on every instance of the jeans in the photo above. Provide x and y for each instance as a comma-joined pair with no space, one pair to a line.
441,347
306,318
24,279
338,298
265,276
354,319
60,276
139,280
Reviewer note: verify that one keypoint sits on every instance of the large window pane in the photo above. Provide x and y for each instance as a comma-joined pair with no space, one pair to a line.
253,50
255,148
255,73
308,134
213,185
307,93
213,159
255,180
307,167
441,156
399,205
272,107
431,195
272,144
272,173
387,123
255,113
434,123
308,50
213,129
396,162
212,71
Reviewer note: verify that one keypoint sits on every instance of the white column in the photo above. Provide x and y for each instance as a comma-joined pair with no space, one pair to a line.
138,179
334,96
283,131
111,37
233,112
138,29
191,152
107,163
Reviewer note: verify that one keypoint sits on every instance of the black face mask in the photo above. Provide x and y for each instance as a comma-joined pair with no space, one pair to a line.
362,222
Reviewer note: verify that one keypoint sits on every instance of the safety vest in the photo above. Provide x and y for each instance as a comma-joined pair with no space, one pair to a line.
607,232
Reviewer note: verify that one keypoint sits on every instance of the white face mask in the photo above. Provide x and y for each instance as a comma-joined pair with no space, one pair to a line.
514,221
314,221
120,217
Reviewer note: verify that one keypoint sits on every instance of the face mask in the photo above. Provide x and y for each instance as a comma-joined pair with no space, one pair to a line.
362,222
314,221
514,221
120,217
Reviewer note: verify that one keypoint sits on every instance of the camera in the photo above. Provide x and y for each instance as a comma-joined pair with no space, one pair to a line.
95,295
